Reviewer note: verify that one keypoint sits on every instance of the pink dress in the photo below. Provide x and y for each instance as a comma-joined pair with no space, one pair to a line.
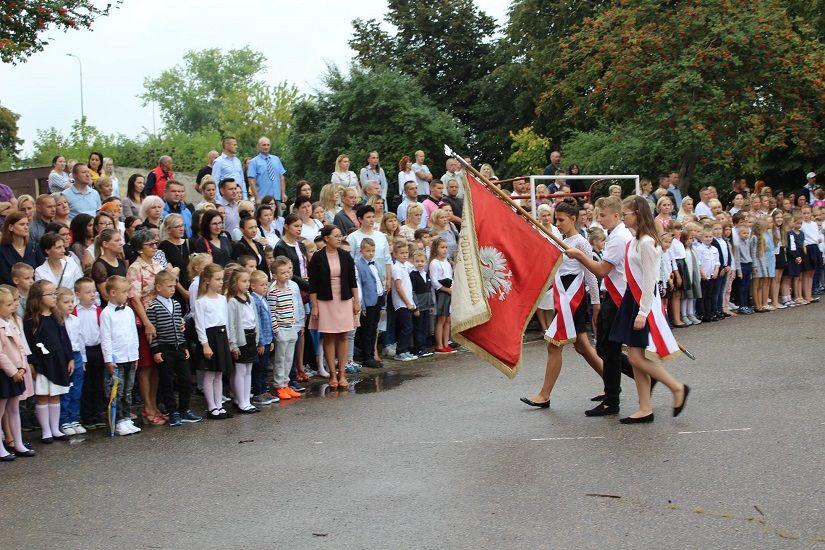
335,316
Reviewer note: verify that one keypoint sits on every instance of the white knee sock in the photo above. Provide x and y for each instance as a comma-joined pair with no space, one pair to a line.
42,413
683,307
54,419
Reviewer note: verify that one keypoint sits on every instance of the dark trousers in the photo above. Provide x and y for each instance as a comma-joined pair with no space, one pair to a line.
259,369
403,330
421,328
719,292
93,398
708,286
389,334
745,285
615,362
366,334
174,375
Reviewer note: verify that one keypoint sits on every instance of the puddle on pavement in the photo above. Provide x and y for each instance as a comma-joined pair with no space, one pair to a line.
366,382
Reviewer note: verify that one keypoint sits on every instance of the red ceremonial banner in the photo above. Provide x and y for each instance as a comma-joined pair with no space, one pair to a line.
505,266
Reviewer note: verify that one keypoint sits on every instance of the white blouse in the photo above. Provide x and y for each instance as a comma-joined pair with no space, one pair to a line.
440,270
644,255
346,179
70,272
209,312
569,266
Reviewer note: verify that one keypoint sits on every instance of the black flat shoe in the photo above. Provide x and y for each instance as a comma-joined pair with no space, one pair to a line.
543,405
7,458
597,398
602,410
641,420
46,440
28,453
62,437
215,414
678,410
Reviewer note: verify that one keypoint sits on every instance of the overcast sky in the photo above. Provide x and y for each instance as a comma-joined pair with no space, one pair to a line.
143,37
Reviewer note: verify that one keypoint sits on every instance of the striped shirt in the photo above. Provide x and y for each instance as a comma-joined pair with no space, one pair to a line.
281,306
168,324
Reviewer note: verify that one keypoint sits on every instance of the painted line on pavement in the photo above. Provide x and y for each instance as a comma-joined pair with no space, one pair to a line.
716,431
566,438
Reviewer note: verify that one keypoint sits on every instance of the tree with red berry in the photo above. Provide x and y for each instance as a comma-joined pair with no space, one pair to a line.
23,23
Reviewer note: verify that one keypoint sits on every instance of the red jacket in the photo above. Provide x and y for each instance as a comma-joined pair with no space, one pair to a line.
156,181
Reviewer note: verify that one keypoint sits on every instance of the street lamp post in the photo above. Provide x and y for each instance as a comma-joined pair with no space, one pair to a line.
82,112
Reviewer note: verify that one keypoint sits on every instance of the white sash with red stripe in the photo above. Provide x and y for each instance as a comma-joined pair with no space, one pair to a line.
566,301
660,340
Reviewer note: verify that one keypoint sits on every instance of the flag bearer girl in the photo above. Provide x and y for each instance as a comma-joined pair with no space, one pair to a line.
640,322
571,307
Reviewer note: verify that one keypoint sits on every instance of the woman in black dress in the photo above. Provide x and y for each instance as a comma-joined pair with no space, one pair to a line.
15,246
247,245
109,252
176,248
212,238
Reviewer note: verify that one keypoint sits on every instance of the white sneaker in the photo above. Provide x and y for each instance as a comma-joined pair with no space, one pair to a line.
131,425
389,351
406,356
121,428
68,429
78,428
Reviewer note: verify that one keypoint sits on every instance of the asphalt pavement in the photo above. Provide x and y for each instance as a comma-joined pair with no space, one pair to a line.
443,454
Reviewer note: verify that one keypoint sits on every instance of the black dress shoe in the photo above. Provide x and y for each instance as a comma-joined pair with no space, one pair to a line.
602,410
541,405
597,398
641,420
46,440
7,458
61,437
28,453
678,410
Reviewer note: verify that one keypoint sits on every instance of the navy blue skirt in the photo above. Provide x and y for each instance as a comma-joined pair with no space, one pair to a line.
622,330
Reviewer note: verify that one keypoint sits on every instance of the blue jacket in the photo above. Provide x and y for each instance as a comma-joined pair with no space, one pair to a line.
184,210
368,288
264,320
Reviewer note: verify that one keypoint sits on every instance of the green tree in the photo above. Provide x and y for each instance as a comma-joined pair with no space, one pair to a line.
192,96
712,87
508,96
259,110
367,109
445,45
9,141
529,151
25,23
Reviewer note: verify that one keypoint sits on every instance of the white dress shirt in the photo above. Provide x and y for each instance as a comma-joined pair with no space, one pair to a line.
118,334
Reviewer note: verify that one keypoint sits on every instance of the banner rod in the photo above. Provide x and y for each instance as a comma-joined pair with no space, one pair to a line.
506,198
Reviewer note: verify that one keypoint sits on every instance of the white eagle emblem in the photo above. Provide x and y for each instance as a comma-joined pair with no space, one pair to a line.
494,273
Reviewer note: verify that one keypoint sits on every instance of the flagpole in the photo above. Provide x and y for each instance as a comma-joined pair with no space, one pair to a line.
506,198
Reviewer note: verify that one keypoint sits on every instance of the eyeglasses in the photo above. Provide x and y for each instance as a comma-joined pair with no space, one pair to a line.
50,294
177,226
153,244
216,224
627,213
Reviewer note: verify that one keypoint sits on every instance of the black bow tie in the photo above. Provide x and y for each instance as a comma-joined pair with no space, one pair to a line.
118,308
370,263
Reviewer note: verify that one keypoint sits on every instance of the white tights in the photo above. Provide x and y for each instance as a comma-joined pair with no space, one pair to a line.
242,385
10,408
213,389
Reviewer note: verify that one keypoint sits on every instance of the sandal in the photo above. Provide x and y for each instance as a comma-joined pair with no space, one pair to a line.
333,383
343,383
